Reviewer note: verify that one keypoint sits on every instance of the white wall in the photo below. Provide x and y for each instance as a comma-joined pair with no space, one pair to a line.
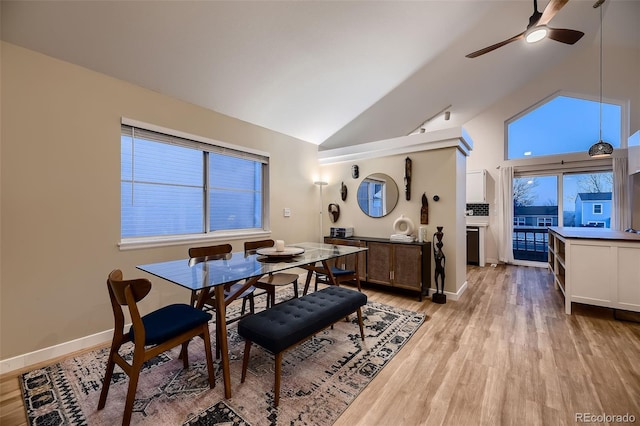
60,194
438,171
577,75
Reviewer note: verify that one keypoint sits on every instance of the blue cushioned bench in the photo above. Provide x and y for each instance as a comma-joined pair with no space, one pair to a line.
294,321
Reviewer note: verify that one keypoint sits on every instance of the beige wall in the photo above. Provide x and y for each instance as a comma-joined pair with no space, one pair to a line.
578,74
433,172
60,194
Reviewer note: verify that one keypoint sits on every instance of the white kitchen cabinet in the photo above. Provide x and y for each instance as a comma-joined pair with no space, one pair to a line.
476,186
634,159
634,153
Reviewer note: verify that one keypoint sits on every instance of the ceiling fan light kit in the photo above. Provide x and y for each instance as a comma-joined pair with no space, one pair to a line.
537,34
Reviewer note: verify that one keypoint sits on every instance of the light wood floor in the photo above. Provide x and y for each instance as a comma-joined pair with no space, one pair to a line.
504,354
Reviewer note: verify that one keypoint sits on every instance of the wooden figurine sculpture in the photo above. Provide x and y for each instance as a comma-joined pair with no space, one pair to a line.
441,261
407,178
424,210
343,192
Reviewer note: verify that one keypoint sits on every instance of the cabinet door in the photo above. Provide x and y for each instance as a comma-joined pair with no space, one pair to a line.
407,266
476,192
379,263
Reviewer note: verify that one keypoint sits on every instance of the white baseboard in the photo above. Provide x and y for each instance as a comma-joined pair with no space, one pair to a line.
46,354
450,295
66,348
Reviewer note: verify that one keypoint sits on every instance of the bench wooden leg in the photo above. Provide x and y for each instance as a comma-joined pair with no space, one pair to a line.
307,282
276,390
245,360
360,323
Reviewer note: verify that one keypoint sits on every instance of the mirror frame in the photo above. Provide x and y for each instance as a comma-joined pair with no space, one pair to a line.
390,194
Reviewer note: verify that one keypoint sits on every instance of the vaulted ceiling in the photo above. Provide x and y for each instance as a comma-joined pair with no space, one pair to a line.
335,73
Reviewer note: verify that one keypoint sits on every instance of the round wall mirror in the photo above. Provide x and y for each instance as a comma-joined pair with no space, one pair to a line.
377,195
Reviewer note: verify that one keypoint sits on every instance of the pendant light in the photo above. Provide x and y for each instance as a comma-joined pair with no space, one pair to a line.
601,148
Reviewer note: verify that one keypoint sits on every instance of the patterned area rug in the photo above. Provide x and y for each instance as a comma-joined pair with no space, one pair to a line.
320,378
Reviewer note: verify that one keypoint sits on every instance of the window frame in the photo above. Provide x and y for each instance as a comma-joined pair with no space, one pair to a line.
209,145
601,208
624,127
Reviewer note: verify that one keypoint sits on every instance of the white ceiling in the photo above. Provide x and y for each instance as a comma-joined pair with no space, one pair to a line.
335,73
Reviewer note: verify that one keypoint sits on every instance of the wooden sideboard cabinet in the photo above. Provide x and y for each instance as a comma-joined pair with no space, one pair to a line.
393,264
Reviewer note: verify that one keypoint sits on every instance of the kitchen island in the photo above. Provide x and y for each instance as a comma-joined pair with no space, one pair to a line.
596,266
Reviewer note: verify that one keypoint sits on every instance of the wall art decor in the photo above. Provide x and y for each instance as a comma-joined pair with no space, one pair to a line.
334,212
424,210
407,178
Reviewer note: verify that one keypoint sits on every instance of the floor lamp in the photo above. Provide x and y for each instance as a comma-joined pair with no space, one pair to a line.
320,183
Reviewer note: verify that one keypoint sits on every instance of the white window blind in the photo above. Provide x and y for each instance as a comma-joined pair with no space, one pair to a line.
171,185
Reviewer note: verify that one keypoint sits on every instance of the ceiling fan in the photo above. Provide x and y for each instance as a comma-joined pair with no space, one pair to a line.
538,29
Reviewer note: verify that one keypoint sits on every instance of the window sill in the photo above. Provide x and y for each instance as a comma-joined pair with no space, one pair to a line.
176,240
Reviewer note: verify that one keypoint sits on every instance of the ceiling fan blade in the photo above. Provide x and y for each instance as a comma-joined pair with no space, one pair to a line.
495,46
565,36
550,11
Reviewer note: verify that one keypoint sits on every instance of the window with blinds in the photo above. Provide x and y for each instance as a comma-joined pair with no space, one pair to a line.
173,185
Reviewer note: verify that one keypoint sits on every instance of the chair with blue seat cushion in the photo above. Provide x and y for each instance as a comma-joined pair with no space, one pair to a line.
342,268
151,334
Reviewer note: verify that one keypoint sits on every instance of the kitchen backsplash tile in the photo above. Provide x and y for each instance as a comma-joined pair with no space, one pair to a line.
479,209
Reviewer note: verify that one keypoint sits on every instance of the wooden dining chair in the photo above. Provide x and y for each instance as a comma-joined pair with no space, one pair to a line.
202,254
342,269
269,282
151,334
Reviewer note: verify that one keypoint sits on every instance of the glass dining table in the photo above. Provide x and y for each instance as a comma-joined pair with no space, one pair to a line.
213,273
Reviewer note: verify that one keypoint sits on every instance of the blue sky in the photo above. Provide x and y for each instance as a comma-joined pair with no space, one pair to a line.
563,125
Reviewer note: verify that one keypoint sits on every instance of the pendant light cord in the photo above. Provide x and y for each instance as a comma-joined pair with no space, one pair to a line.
601,30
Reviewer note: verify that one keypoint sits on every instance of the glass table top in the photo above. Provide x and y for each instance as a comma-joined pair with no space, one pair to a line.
199,273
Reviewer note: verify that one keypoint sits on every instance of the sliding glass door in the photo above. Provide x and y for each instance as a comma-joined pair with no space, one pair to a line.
535,208
585,200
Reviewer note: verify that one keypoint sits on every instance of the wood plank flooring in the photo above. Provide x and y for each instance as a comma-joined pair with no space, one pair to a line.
504,354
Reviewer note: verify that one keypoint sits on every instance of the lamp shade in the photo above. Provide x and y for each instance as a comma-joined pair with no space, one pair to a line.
601,149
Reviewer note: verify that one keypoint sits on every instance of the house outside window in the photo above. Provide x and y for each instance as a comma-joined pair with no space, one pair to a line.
176,186
593,208
519,221
545,221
